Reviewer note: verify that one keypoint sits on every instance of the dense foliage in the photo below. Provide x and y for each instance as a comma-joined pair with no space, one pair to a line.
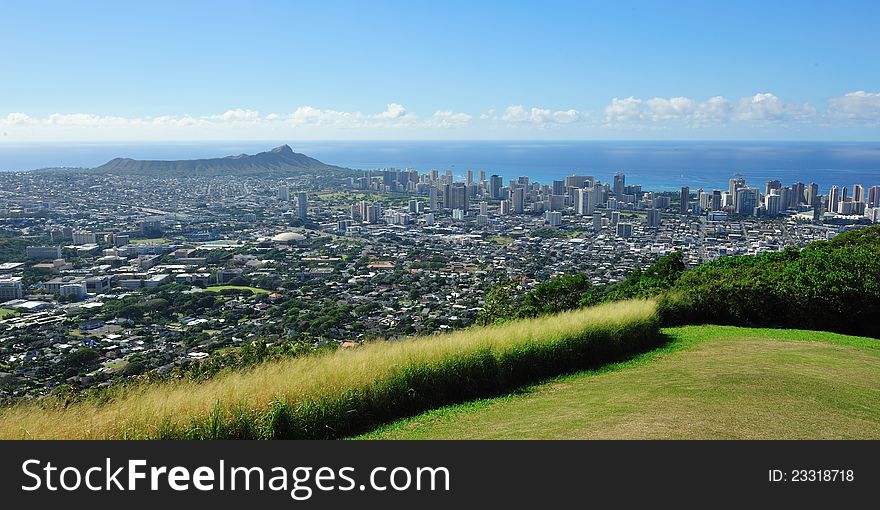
833,285
505,301
829,285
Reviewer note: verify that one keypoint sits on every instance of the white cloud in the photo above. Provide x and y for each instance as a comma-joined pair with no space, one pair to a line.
237,115
310,116
89,120
567,116
624,110
632,110
859,106
517,114
714,111
175,121
449,119
17,119
766,107
392,111
673,108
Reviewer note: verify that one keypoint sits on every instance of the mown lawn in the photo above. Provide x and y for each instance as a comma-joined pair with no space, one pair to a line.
708,382
218,288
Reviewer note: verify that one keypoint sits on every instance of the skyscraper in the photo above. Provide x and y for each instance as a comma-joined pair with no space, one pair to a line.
873,199
283,193
517,200
735,184
653,218
586,203
579,181
811,194
685,197
302,205
559,187
495,184
833,199
773,204
619,183
858,193
716,200
746,201
799,197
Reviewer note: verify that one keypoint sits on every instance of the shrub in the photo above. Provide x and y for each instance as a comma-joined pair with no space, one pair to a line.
832,286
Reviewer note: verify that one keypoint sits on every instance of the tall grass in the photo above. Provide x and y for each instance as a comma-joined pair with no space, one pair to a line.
345,392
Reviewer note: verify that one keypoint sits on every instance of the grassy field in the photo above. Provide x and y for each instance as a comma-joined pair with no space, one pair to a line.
5,313
158,240
218,288
345,392
708,382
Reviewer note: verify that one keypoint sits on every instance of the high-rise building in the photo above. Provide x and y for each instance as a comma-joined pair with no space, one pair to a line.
302,205
653,218
619,183
624,230
705,201
772,203
559,187
799,196
597,221
484,208
432,198
858,193
470,177
585,201
772,185
482,176
811,195
735,185
685,198
554,218
716,200
495,184
517,200
283,193
873,199
833,199
505,207
579,181
746,201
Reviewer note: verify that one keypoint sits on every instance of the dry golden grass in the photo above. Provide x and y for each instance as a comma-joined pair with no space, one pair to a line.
187,409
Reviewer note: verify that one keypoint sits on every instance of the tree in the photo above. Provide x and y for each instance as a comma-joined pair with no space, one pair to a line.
556,295
501,305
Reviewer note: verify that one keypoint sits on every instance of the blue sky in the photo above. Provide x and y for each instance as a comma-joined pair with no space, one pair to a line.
445,70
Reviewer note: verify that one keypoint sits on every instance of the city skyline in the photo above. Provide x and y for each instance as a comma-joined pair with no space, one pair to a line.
346,71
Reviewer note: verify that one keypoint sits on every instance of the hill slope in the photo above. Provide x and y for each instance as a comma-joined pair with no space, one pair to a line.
709,382
280,160
345,392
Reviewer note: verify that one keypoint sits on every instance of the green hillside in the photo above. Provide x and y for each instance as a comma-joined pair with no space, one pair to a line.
709,382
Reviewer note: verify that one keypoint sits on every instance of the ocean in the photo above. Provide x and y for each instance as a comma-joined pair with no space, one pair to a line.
658,165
